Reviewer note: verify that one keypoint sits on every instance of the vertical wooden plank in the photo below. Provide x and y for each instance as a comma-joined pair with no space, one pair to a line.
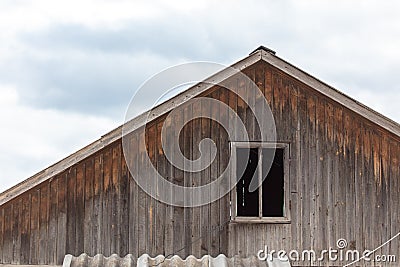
329,126
224,158
304,159
241,105
283,124
7,239
233,98
187,150
349,162
359,184
259,97
43,223
53,223
339,178
179,230
34,225
151,203
214,173
142,211
285,109
384,193
393,193
88,212
25,228
276,103
106,223
98,205
319,187
115,199
294,170
133,195
367,181
160,212
169,224
16,235
62,217
205,221
1,233
268,85
251,98
71,209
376,188
80,208
196,180
124,208
252,230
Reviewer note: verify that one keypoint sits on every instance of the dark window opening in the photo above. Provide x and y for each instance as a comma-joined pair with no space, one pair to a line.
270,196
247,202
273,184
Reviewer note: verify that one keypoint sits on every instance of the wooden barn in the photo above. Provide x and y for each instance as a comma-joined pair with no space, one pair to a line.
335,176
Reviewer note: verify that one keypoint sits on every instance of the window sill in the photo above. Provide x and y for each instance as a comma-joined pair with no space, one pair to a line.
266,220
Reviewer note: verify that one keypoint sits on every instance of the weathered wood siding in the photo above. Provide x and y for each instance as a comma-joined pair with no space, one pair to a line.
344,174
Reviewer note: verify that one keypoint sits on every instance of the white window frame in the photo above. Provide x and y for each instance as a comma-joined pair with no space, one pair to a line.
286,200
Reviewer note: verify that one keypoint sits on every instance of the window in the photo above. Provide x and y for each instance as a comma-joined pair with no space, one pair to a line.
261,194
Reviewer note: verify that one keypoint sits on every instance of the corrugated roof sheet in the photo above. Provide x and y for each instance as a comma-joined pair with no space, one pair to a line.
160,261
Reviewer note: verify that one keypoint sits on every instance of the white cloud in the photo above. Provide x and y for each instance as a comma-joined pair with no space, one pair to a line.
32,139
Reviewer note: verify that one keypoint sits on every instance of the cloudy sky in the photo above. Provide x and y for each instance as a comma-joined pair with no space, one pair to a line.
68,69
